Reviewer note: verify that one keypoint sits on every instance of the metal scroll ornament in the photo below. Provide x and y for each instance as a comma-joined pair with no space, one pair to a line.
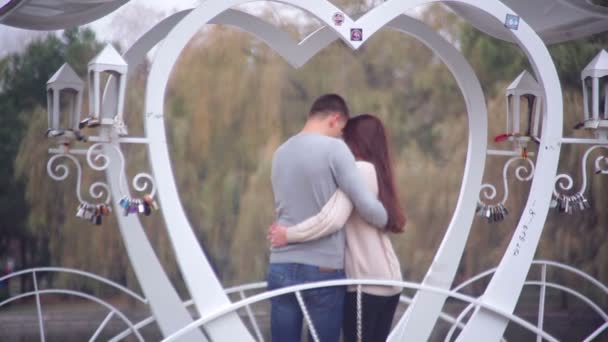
570,203
498,212
59,170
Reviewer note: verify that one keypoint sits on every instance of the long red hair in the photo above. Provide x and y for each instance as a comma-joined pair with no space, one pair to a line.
366,137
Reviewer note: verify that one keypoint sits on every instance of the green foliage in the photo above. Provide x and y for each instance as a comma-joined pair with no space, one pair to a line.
493,59
23,78
22,87
416,96
498,61
230,103
571,58
577,240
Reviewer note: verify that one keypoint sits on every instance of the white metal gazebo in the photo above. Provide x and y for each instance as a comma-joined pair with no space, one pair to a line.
531,25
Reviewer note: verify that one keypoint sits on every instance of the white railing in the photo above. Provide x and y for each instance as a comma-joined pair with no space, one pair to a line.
544,284
456,323
297,289
113,311
245,302
242,290
110,283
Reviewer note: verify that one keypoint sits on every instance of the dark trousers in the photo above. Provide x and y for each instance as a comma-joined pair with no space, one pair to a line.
378,312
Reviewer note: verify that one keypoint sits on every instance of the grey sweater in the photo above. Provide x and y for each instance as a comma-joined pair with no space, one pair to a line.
306,171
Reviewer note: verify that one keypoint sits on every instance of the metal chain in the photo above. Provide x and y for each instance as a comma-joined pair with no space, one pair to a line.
359,315
311,327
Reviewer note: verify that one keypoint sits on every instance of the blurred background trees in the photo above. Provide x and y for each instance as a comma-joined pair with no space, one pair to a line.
232,101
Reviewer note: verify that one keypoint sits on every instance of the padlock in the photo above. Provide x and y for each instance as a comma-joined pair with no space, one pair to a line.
501,215
147,209
141,207
480,209
89,211
562,203
579,201
132,207
150,201
567,207
104,210
584,202
126,205
80,211
503,211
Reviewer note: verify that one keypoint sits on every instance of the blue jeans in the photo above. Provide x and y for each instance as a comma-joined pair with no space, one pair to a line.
325,305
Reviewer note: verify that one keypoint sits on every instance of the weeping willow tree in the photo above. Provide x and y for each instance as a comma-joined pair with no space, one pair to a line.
232,101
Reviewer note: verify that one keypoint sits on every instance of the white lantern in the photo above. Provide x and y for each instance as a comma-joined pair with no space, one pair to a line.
108,62
64,101
524,90
595,78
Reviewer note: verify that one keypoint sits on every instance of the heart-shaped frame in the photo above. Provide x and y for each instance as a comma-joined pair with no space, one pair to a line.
204,286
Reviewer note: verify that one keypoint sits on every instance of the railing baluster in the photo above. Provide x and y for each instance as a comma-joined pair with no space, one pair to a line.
38,308
596,333
541,304
102,326
311,327
252,319
457,323
537,330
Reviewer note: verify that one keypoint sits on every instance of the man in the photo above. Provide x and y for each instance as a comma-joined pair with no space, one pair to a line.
306,170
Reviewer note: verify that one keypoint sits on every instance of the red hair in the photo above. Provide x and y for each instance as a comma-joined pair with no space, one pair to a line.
366,137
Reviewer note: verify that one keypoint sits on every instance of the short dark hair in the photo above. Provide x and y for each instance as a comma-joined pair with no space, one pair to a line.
329,103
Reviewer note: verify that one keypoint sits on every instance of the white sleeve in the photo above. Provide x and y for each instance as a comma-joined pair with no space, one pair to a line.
334,214
329,220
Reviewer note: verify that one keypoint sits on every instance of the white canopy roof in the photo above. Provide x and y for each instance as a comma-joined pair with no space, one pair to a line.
108,58
66,77
524,84
555,20
54,14
598,67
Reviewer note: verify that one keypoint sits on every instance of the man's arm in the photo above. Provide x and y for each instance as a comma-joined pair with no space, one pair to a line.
351,181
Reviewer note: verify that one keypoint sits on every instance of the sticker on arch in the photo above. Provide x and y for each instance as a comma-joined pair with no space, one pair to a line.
512,21
356,34
338,18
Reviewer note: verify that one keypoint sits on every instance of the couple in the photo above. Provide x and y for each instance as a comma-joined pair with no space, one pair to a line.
322,184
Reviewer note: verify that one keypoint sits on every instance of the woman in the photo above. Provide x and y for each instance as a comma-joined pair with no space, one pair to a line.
369,252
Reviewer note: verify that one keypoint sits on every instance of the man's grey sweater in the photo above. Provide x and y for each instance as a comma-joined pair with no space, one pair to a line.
306,171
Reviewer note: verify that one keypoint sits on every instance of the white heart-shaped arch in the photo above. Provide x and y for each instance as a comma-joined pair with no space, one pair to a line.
465,77
188,252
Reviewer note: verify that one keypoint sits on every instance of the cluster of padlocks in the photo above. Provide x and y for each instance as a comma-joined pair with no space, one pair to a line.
142,206
492,213
568,204
73,134
524,108
93,212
